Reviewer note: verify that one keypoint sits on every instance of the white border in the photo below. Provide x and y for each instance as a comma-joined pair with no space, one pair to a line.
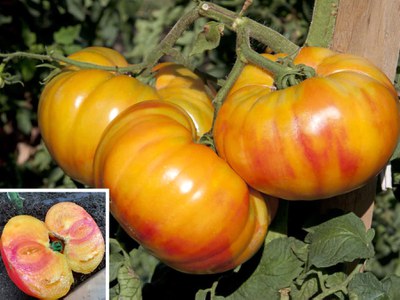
80,190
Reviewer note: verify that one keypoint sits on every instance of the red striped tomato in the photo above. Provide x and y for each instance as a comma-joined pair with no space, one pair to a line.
326,136
177,198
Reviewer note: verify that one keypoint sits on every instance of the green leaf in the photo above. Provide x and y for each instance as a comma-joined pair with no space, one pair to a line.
278,267
115,246
28,36
16,200
391,285
300,249
24,122
67,35
335,279
5,19
365,286
129,284
77,9
143,263
202,294
116,262
209,38
341,239
305,291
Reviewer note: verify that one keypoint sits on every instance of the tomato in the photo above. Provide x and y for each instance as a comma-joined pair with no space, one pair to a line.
326,136
32,265
77,105
177,198
38,267
177,84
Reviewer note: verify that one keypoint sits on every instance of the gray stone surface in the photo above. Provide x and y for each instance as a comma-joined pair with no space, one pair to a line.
37,204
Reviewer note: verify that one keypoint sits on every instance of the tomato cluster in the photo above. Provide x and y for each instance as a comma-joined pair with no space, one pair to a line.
201,211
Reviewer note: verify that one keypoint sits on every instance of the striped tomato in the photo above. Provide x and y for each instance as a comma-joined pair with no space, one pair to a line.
326,136
176,197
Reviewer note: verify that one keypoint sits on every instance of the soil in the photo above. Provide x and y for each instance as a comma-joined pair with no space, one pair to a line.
37,204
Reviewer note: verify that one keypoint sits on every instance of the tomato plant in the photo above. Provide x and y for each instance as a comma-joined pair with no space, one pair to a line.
77,105
323,137
177,198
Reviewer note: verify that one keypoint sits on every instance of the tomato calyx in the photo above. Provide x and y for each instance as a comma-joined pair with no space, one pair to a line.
293,75
207,140
56,244
284,71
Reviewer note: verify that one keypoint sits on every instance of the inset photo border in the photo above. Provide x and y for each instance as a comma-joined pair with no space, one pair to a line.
36,203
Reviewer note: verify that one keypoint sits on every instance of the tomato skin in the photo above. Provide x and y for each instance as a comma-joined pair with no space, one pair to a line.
77,105
326,136
179,85
175,197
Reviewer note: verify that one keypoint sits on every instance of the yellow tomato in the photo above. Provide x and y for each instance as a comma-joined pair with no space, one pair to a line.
177,198
177,84
77,105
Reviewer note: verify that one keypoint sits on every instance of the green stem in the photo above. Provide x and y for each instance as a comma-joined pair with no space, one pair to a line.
259,32
230,80
170,39
284,75
56,57
207,138
321,281
320,33
341,287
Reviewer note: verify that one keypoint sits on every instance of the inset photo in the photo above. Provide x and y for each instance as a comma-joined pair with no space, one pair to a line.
53,244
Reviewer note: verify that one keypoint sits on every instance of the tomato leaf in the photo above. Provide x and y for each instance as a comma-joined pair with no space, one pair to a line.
143,263
305,291
278,267
341,239
209,38
67,35
365,286
391,285
129,283
116,262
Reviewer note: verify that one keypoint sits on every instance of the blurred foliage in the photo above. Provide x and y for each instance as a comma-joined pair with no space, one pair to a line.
386,222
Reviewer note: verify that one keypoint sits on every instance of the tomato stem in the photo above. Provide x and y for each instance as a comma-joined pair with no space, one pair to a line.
321,30
285,72
166,45
257,31
207,138
340,287
57,57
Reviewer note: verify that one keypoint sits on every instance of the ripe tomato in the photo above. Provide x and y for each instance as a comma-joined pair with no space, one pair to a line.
176,197
326,136
177,84
77,105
